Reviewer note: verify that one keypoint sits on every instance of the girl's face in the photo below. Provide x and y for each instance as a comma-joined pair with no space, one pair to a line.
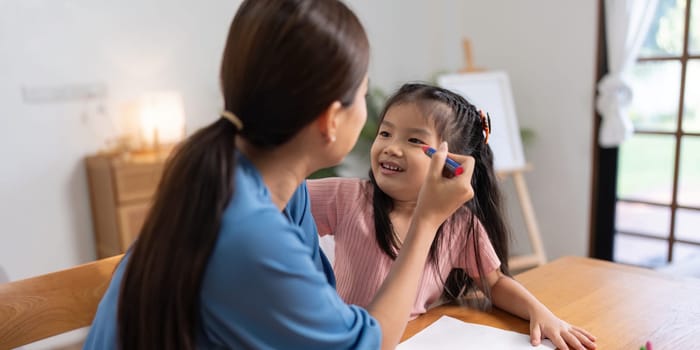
398,162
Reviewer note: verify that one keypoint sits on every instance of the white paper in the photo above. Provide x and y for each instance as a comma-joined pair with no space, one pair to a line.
450,333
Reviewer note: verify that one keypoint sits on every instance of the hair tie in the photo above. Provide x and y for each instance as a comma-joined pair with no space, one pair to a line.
233,119
485,124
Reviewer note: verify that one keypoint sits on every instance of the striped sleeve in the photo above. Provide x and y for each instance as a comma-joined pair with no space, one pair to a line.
330,199
324,204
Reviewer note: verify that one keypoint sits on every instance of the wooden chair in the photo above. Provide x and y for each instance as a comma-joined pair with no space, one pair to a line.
51,304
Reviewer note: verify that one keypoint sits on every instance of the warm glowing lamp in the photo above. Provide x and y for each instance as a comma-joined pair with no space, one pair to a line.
162,119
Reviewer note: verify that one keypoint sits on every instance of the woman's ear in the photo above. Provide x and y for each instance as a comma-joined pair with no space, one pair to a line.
327,121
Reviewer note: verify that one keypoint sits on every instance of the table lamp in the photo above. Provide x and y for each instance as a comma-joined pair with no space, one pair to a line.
162,119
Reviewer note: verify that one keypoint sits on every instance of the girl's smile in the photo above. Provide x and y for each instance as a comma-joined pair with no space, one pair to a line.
390,168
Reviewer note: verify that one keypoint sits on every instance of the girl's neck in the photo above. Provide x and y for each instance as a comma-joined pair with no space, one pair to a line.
400,217
404,208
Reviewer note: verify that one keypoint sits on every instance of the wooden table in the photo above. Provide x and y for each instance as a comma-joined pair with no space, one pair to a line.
622,306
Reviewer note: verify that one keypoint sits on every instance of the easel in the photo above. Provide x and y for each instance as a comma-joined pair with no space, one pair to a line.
537,257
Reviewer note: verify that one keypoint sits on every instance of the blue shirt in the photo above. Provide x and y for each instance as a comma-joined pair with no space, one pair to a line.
267,284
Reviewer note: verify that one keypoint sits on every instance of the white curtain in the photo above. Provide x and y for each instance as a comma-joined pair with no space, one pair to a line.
626,25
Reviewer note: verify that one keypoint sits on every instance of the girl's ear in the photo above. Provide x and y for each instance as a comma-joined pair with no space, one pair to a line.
327,121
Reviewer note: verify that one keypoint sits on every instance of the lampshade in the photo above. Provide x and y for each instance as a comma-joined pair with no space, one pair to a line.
162,118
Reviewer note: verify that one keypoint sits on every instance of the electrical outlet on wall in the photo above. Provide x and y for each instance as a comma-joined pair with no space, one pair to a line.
63,93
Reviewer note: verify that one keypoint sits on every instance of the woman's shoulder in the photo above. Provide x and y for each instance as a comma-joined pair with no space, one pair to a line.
251,211
262,229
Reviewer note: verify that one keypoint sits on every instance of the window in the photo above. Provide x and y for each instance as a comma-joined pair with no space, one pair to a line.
657,209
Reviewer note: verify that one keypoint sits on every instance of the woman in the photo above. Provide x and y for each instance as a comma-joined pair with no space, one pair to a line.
228,256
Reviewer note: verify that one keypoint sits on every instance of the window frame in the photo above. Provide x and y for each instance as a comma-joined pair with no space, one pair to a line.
605,160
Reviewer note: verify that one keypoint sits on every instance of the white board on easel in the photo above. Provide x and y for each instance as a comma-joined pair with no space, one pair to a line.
491,92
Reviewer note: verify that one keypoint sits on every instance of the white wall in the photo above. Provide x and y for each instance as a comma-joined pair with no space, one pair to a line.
127,47
130,47
549,49
411,40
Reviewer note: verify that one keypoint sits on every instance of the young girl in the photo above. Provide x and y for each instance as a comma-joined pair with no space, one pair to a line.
370,218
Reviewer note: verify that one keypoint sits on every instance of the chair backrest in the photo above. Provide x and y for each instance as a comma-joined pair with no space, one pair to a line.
51,304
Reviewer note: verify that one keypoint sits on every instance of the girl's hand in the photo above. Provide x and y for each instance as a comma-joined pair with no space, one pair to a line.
439,196
543,323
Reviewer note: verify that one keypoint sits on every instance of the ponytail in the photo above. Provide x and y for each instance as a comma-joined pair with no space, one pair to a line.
159,298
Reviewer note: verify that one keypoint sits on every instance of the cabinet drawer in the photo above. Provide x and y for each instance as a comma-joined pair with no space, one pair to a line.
131,219
136,181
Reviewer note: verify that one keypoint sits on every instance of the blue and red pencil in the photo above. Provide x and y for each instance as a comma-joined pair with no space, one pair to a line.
450,164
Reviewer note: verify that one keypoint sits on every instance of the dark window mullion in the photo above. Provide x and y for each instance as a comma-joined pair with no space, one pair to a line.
679,131
669,133
647,236
686,207
659,58
642,235
667,58
656,204
687,242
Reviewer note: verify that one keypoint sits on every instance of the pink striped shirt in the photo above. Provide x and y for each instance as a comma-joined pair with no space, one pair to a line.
343,207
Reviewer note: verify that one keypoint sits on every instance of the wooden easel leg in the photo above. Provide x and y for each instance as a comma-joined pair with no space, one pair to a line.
529,217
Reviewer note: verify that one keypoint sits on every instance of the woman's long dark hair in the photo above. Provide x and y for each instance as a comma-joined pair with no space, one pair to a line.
459,123
284,63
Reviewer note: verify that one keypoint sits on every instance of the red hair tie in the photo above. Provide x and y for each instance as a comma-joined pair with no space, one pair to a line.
485,125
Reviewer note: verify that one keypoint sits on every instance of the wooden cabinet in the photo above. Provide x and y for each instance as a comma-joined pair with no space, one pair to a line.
121,190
